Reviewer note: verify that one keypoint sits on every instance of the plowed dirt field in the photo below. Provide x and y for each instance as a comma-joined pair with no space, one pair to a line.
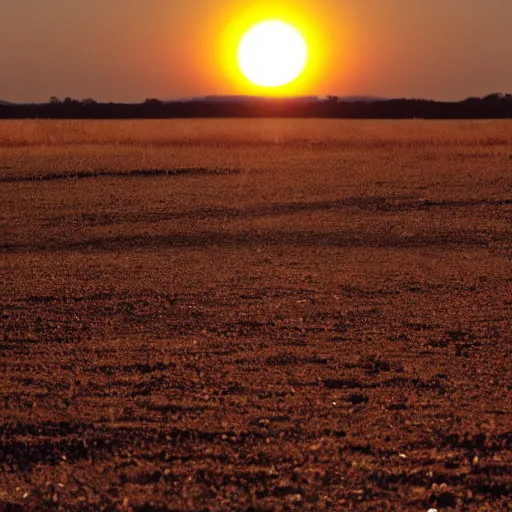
265,315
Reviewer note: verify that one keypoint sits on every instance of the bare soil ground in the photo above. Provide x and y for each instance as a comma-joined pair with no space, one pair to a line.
256,315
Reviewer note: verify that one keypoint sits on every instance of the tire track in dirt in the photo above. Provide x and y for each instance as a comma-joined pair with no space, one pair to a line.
377,204
136,173
206,239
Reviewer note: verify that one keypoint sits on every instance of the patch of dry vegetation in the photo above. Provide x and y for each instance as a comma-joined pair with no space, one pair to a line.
288,132
42,146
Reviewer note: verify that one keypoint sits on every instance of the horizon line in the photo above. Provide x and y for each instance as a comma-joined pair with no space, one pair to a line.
353,97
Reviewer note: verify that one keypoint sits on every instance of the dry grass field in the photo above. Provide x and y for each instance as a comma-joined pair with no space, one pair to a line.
255,315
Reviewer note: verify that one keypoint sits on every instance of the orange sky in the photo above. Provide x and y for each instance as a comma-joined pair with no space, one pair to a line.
128,50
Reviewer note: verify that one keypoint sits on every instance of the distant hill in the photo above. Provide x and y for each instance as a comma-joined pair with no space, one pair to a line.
363,99
6,103
243,99
296,99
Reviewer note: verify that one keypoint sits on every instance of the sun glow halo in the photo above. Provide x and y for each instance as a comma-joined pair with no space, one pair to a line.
272,54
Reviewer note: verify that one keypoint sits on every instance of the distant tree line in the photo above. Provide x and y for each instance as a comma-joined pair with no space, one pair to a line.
493,106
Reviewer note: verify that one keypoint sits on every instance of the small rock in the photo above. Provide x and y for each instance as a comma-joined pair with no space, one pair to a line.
294,498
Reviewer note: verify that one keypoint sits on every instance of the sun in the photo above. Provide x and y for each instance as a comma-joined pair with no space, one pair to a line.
272,54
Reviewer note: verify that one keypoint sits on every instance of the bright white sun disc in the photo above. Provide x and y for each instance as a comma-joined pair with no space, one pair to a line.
272,54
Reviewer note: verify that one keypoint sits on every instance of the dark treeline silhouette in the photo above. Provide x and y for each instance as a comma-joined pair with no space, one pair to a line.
493,106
